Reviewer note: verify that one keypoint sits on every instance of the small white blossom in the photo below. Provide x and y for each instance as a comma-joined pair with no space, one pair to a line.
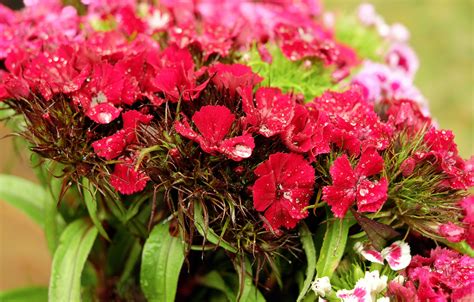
321,286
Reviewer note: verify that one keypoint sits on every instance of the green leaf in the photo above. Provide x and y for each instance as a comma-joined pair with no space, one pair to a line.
310,251
378,233
53,228
215,280
334,243
247,289
23,195
162,259
209,233
28,294
91,204
69,259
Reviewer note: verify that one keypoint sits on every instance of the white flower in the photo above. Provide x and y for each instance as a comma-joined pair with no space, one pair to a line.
366,289
397,254
321,286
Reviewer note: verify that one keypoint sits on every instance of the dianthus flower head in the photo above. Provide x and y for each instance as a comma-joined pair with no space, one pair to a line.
351,185
283,189
355,125
126,178
214,123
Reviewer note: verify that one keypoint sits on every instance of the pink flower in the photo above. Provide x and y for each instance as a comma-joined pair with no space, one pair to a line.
176,78
352,185
127,179
406,115
214,124
452,232
233,76
366,289
309,131
468,206
445,153
355,125
283,189
111,147
397,254
402,57
272,113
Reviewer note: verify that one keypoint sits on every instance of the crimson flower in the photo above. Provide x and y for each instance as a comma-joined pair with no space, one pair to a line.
351,185
126,179
112,146
283,189
309,131
233,76
272,113
214,124
177,78
355,123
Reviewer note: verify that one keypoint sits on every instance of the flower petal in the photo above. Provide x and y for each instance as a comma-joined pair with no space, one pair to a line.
397,255
371,195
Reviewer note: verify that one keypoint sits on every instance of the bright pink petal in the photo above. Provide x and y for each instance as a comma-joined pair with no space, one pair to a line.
397,255
368,253
214,123
131,119
126,179
370,163
275,110
452,232
339,199
103,113
342,174
371,195
112,146
238,148
264,192
278,216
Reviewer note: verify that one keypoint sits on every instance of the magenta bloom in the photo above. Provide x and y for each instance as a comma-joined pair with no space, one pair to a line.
355,124
283,189
233,76
352,185
214,124
309,131
126,179
273,111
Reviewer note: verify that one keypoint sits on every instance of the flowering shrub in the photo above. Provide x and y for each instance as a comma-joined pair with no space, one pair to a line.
247,151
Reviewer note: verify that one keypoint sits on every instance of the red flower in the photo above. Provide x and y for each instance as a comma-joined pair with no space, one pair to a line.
126,179
283,189
176,78
405,115
468,206
355,124
309,131
233,76
273,112
445,153
351,185
112,146
214,124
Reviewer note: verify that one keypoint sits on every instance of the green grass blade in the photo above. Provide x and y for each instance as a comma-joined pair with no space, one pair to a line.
310,251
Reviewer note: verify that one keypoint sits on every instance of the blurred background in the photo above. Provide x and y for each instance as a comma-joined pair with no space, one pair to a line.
442,33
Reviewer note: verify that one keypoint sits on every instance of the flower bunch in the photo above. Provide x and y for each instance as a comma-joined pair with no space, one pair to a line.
245,133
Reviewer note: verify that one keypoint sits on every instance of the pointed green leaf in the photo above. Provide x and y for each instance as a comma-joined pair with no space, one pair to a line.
248,292
310,251
69,259
23,195
91,203
162,259
215,280
334,243
28,294
208,233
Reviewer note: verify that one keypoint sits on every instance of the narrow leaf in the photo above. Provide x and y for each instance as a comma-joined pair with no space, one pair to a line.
215,280
334,243
247,289
91,204
69,259
162,259
310,251
23,195
28,294
208,233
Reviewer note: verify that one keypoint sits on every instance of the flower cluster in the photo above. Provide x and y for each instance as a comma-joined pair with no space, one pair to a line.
166,105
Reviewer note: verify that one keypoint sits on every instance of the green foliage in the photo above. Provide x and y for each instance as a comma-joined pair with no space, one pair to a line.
310,251
365,41
28,294
91,204
69,259
208,233
214,280
291,76
162,259
248,292
334,243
